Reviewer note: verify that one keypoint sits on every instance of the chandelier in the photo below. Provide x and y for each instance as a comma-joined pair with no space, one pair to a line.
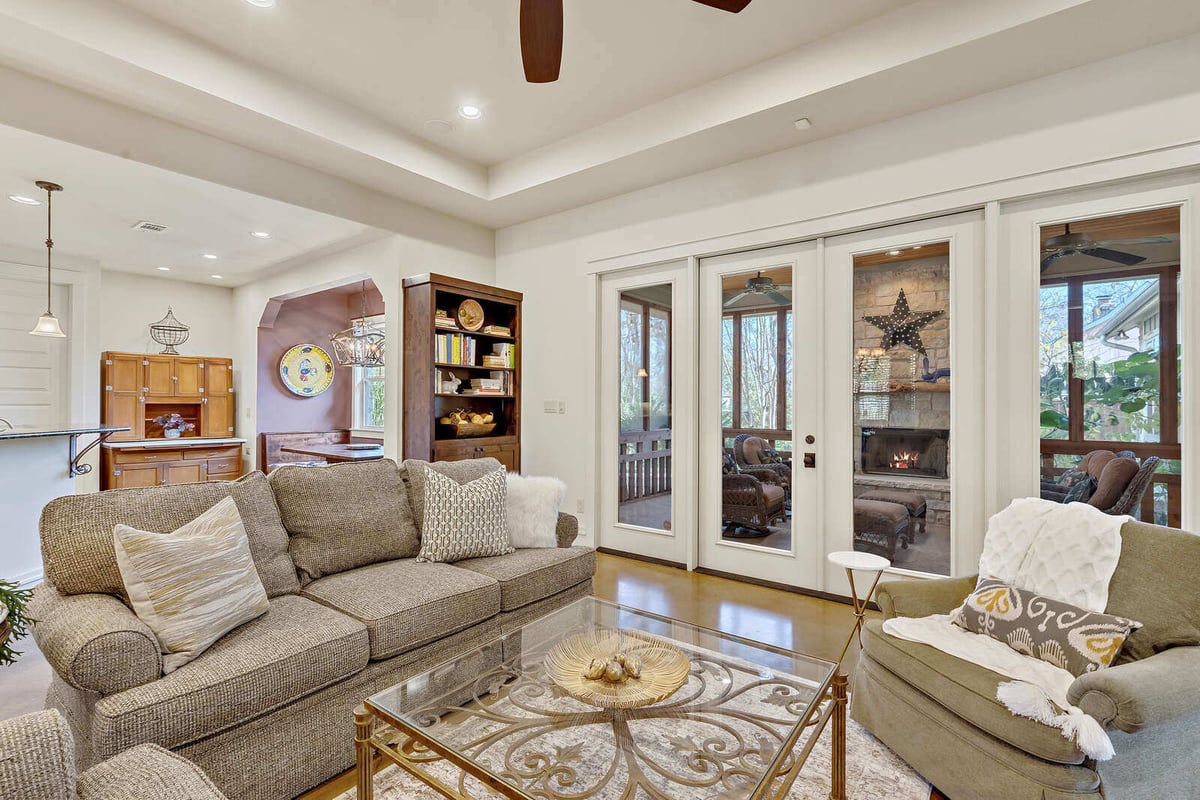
363,343
47,324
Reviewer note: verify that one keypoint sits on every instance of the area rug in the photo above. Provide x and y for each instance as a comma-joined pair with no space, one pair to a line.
873,772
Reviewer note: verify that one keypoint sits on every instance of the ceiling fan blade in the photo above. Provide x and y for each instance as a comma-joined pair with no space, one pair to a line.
782,299
1143,240
1055,256
732,6
1128,259
541,39
737,297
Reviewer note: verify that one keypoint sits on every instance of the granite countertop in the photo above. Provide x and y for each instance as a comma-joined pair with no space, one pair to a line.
182,441
34,433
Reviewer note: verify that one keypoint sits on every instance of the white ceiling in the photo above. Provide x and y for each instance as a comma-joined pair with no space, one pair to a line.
328,101
104,196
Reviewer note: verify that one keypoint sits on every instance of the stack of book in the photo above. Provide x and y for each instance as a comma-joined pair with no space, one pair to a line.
454,348
498,330
503,355
485,386
443,320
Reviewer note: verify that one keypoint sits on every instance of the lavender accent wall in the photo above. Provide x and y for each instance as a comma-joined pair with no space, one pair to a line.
310,319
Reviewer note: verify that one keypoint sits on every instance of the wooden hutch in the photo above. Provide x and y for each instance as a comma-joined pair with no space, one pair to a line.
136,388
433,347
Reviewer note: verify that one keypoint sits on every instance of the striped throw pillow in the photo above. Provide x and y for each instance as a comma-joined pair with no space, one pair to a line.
194,585
465,520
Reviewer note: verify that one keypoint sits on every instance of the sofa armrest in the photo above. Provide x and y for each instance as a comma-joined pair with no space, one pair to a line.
37,757
94,641
568,529
147,771
919,598
1142,693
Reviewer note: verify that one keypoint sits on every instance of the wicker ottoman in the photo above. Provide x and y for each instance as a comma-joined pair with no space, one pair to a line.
913,501
880,524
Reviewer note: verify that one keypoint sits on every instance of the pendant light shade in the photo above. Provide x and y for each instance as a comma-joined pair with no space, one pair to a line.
363,344
47,324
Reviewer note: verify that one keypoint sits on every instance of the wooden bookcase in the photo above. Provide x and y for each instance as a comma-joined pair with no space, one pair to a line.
425,402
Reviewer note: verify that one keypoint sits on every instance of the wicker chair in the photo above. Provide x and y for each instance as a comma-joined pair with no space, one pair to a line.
748,502
748,454
1120,481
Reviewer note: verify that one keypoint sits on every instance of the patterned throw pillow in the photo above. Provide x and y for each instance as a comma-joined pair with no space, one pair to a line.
769,456
194,585
1071,477
1080,491
728,465
1061,634
464,520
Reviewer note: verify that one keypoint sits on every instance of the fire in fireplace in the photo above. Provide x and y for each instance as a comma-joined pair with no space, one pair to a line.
916,452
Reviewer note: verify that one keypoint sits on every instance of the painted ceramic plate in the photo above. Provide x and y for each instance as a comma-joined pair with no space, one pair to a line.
306,370
470,315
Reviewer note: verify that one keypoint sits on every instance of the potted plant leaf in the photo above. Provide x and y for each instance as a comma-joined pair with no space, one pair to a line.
14,624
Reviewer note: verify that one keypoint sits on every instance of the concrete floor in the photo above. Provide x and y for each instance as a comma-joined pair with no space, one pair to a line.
655,512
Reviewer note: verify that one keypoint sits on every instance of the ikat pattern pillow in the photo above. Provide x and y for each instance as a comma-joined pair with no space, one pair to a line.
1061,634
467,520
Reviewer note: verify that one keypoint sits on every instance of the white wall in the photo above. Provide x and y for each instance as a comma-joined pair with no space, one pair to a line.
129,303
1106,121
387,261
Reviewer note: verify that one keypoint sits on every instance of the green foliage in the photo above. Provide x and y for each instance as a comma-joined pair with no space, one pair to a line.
15,599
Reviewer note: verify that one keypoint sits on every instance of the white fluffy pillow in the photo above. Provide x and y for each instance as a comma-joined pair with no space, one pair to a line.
533,505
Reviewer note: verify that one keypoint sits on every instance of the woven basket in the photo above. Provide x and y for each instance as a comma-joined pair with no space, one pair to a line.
467,430
664,668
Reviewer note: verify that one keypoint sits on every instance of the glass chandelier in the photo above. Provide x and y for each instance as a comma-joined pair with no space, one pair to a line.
47,324
363,344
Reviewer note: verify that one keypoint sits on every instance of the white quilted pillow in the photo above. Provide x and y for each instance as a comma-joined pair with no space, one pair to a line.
533,505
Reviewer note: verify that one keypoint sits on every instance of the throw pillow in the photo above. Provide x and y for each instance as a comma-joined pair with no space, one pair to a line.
464,520
194,585
770,456
343,516
1071,476
1080,491
728,465
1061,634
532,506
465,471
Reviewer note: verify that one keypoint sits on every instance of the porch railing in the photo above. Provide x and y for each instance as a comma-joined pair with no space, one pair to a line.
644,464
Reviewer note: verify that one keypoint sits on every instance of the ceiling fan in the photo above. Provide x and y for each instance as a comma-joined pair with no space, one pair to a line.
542,35
1072,244
762,286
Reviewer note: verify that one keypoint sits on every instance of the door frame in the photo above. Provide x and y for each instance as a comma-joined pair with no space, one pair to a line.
676,546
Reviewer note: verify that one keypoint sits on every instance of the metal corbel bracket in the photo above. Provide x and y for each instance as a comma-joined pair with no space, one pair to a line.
75,455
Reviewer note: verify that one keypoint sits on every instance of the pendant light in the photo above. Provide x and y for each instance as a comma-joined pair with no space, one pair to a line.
47,324
363,343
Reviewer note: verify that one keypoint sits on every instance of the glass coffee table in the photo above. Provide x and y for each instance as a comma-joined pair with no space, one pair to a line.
493,722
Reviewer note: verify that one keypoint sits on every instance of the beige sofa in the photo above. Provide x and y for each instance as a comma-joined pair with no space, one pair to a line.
940,713
266,712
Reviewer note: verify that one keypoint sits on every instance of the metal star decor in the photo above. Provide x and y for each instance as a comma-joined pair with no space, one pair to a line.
903,326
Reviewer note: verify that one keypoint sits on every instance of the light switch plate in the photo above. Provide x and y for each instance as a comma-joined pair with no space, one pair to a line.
550,407
562,407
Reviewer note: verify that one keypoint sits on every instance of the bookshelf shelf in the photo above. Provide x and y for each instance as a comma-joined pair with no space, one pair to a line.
429,350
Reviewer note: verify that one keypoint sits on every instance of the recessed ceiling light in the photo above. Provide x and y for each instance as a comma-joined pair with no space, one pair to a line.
893,252
470,112
25,201
209,256
262,3
216,277
163,269
260,234
439,127
803,124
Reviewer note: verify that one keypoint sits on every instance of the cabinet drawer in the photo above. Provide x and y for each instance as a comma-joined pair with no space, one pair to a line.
146,456
213,452
224,466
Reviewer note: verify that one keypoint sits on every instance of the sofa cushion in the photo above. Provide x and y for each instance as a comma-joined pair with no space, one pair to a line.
1155,583
967,690
405,604
527,576
294,649
343,516
77,531
462,471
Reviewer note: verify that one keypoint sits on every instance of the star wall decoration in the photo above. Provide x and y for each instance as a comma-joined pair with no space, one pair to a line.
902,326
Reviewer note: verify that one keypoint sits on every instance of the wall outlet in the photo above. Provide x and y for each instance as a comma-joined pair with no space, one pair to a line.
579,506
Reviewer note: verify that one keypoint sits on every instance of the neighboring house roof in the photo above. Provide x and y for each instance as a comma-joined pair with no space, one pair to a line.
1125,315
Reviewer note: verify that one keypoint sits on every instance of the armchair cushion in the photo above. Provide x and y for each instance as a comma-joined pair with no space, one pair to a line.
37,757
1117,474
93,641
147,772
920,598
1133,696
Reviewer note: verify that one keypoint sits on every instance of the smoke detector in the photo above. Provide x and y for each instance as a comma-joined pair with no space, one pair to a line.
152,227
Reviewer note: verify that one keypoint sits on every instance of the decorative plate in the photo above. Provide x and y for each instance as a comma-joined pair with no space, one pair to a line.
306,370
664,668
470,315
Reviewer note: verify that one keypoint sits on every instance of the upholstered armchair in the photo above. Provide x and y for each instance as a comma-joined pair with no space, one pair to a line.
750,454
751,501
37,762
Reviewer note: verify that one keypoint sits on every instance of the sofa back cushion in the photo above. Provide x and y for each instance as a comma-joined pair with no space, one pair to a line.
1155,583
77,531
462,471
343,516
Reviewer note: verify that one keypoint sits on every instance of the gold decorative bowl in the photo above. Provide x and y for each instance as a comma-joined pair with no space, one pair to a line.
664,668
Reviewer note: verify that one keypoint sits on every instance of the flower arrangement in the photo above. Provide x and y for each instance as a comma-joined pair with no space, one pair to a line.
13,616
173,425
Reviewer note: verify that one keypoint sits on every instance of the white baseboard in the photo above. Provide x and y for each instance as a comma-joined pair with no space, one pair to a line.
27,580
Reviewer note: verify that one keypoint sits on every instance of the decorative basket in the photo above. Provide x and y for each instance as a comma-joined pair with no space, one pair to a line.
664,668
466,430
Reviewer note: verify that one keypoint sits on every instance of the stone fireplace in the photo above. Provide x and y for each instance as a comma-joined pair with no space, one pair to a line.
912,452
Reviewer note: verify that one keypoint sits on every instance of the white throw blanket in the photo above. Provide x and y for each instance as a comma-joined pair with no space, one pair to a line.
1066,552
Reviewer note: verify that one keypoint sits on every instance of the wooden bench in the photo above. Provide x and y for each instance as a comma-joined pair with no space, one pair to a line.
271,455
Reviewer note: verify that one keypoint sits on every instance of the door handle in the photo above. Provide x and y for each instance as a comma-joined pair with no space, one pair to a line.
810,460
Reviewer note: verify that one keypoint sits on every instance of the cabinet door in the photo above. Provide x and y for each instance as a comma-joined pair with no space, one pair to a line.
216,415
184,471
129,476
506,454
189,377
123,373
159,376
125,410
218,376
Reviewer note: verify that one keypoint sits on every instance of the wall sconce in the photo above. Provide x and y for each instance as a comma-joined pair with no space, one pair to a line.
642,373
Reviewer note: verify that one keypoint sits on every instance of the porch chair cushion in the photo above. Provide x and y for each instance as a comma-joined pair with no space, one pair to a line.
1113,480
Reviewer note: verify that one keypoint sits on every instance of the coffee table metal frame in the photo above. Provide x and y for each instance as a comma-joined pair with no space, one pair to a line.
412,750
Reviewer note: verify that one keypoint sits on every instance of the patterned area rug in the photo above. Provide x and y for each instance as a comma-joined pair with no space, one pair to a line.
873,772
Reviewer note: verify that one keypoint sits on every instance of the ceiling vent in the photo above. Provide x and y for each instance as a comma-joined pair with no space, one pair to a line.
152,227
